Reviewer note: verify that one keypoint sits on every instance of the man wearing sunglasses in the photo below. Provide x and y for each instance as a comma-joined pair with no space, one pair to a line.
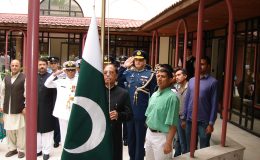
66,88
54,64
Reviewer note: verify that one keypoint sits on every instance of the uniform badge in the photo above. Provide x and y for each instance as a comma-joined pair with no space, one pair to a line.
144,79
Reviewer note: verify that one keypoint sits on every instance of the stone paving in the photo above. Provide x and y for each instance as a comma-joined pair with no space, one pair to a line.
248,140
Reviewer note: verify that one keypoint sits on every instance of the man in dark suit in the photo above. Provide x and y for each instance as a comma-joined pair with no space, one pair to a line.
45,122
120,109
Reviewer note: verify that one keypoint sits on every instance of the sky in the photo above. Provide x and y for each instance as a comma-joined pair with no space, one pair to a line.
135,9
124,9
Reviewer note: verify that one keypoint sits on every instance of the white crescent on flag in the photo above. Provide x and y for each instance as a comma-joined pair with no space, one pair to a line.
98,125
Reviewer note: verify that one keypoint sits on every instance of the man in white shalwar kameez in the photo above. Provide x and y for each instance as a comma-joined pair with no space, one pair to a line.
13,107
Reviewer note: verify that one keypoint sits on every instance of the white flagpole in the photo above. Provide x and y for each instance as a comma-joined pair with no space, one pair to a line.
103,17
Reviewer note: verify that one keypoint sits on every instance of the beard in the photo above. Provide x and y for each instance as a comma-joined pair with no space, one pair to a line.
42,70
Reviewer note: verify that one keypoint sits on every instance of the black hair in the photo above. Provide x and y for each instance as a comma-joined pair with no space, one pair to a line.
207,59
175,69
183,70
43,59
112,64
167,69
167,66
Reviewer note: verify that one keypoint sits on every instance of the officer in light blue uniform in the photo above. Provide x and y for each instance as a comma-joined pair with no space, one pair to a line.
140,83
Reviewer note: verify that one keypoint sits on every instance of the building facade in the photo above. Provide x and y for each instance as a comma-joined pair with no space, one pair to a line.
63,29
245,105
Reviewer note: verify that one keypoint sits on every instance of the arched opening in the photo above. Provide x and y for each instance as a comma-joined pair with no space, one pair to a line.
63,8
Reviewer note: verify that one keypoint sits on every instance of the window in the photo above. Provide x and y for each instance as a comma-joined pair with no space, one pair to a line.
125,45
245,110
64,8
63,45
257,87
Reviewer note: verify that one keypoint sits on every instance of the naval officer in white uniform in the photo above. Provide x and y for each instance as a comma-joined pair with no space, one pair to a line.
66,88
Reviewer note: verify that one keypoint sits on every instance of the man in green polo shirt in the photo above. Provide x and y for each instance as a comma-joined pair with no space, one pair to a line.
162,117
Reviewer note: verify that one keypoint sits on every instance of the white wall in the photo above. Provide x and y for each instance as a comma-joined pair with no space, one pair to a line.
14,6
163,50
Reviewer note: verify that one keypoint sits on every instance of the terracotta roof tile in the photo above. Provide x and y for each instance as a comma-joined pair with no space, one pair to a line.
70,21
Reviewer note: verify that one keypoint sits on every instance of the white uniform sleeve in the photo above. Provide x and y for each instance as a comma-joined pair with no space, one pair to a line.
50,83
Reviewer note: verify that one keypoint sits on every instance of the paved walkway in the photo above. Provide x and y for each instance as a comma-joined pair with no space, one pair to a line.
248,140
54,155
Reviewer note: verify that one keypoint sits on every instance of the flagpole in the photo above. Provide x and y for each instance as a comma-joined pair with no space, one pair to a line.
103,17
31,78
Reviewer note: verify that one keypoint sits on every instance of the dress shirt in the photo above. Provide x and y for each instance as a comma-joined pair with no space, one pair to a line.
207,105
163,110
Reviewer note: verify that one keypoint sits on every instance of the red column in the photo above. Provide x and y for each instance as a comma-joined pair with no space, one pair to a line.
176,47
185,42
197,78
24,50
6,49
228,72
31,78
156,48
152,51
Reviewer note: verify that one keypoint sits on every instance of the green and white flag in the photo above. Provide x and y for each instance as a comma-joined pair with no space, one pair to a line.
89,135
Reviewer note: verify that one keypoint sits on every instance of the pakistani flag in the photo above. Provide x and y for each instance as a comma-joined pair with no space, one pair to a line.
89,136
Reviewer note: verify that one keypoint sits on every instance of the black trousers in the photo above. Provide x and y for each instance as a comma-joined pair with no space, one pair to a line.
124,131
56,136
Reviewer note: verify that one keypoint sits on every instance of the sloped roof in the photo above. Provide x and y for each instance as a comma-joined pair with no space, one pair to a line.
53,21
216,15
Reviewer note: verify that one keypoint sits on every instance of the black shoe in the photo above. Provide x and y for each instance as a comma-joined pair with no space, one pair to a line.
11,153
39,154
125,143
21,154
46,156
56,145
